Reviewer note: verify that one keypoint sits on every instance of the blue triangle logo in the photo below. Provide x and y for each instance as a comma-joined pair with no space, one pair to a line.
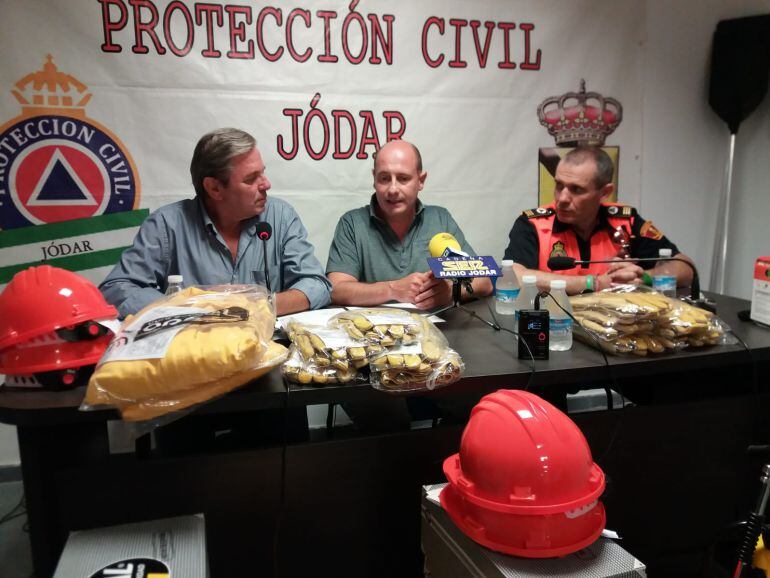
60,186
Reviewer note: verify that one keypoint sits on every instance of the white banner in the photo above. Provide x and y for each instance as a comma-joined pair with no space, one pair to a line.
128,87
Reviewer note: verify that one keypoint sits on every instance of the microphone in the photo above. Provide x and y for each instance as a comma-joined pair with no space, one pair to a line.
448,261
264,232
564,263
445,245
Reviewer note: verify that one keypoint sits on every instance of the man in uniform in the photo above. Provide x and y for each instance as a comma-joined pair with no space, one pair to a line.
379,252
212,238
582,225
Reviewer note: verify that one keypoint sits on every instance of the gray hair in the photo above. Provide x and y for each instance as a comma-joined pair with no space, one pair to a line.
604,167
213,153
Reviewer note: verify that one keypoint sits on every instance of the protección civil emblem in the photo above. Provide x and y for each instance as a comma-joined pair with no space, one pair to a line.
56,164
558,250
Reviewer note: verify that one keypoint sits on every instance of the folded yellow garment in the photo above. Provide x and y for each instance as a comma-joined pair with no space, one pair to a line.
193,358
161,404
206,358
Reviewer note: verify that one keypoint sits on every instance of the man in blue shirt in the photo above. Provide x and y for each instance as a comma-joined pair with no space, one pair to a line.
212,238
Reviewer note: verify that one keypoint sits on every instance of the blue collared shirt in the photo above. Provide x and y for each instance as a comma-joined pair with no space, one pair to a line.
181,239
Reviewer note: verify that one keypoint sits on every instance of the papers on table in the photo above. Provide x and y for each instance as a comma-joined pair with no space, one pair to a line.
322,316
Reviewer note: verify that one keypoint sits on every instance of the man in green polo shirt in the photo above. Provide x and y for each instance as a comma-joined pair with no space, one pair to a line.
379,252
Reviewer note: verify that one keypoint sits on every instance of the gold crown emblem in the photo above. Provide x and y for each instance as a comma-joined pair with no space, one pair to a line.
580,118
51,91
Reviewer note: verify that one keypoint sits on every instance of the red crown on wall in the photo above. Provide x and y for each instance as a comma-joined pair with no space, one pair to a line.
580,118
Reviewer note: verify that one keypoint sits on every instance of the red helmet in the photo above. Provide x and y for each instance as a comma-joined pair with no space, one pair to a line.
524,482
48,331
42,299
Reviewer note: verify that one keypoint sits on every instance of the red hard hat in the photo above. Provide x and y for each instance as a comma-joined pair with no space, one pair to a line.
40,300
50,355
49,336
524,482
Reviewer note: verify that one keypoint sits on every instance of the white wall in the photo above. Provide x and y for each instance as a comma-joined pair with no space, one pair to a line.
685,143
750,218
9,447
684,149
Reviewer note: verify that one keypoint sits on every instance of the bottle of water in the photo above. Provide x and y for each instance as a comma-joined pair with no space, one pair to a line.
560,325
527,295
506,290
664,280
174,284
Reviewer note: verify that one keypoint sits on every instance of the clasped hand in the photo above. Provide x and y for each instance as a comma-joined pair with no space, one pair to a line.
624,273
422,289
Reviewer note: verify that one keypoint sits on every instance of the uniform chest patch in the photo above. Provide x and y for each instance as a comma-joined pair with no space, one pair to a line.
558,250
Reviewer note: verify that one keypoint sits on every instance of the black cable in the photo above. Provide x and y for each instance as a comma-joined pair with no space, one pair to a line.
531,357
282,500
755,522
748,526
613,380
754,384
545,294
499,327
13,516
13,513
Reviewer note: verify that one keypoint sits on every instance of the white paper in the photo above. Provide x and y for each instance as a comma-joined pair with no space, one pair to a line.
433,491
431,318
312,317
134,342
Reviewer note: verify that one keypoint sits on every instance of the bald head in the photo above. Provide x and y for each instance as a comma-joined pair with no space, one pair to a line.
398,179
402,149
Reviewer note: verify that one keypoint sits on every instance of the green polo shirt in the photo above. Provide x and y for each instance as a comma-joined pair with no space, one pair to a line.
365,246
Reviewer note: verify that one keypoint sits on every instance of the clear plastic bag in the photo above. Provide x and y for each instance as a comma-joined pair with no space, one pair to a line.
185,349
397,351
425,364
386,326
324,355
639,321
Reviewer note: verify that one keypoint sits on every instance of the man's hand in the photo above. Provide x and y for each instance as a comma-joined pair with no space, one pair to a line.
435,293
406,289
620,273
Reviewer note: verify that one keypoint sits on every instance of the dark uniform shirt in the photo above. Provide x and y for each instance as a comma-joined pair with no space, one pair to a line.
524,245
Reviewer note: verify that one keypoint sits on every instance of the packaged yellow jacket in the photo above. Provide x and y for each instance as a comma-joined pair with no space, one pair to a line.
185,349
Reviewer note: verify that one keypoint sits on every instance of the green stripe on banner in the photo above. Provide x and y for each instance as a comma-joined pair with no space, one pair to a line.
73,263
89,225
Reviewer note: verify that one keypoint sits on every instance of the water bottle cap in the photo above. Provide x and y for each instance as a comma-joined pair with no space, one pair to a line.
507,262
175,279
664,252
530,279
558,284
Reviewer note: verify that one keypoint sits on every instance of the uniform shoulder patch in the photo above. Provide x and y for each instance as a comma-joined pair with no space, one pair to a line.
621,211
538,212
650,231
